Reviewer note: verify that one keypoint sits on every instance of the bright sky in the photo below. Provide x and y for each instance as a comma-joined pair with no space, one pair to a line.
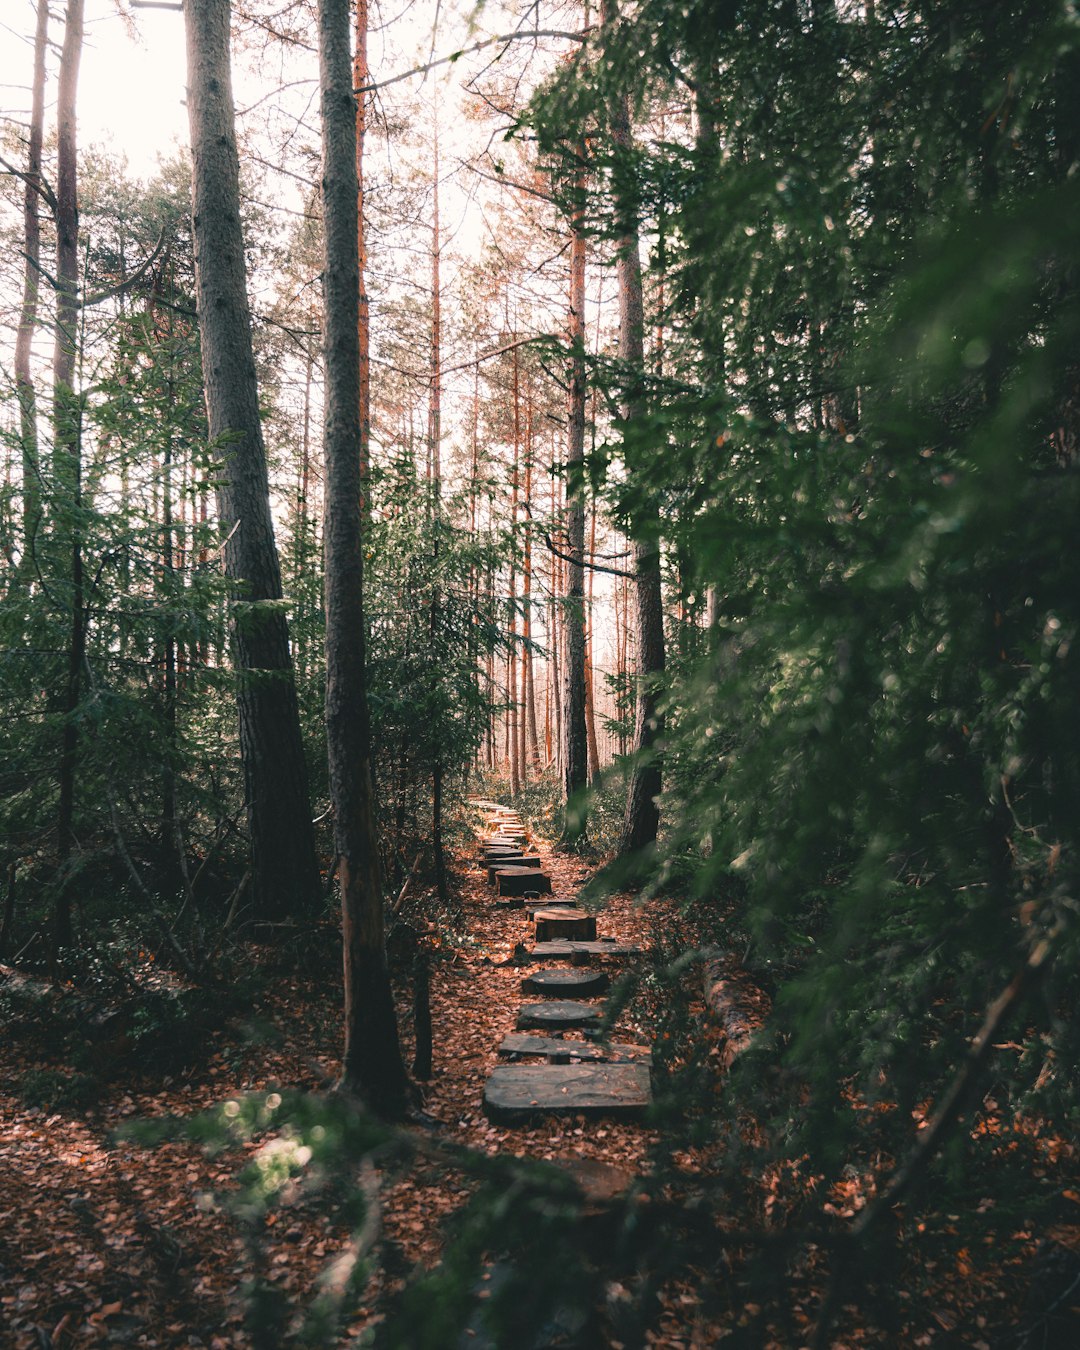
131,90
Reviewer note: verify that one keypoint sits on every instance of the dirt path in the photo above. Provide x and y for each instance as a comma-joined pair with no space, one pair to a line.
104,1243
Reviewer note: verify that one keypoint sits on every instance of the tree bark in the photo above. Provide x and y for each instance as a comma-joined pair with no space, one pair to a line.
67,442
435,463
284,871
24,381
642,818
373,1065
575,764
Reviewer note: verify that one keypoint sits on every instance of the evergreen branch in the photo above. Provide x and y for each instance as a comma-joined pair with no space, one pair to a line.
32,180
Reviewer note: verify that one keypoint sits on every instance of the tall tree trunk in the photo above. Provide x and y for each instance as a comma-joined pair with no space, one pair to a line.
284,872
590,711
513,743
533,738
642,816
373,1066
24,338
574,746
67,442
435,461
361,74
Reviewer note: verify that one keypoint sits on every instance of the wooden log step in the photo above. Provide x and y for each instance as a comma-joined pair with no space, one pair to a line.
520,880
559,1013
561,982
572,924
582,950
517,1092
556,1049
509,902
549,902
501,864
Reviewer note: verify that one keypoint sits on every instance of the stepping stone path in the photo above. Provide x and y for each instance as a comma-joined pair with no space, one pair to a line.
611,1080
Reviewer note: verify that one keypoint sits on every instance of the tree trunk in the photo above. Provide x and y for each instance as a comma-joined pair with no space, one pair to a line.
642,816
435,462
575,764
24,338
284,872
590,711
67,442
373,1065
532,739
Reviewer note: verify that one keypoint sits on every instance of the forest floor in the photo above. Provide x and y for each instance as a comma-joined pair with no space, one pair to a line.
106,1242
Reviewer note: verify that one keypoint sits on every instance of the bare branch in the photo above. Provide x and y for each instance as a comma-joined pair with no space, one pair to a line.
469,51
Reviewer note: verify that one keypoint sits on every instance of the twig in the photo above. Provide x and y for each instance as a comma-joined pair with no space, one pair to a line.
400,900
468,51
929,1141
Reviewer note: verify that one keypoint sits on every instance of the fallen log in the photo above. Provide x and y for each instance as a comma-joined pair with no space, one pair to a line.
737,1006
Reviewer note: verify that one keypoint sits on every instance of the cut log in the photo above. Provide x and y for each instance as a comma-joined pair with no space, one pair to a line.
581,950
520,880
510,902
573,924
498,864
558,1048
559,1014
548,902
515,1093
560,983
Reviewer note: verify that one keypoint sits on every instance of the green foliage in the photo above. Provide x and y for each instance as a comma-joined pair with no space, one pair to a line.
868,415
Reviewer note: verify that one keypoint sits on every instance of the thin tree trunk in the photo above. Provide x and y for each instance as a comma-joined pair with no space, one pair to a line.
642,817
373,1065
513,744
530,664
67,442
24,337
435,462
575,752
590,712
556,623
284,872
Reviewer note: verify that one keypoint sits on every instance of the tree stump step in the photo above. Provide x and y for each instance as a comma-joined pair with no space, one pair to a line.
580,949
560,1050
557,1014
572,924
517,1092
519,880
496,865
561,981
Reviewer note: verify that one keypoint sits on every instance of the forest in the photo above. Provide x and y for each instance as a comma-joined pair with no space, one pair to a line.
516,501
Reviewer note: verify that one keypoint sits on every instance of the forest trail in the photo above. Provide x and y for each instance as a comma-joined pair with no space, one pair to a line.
103,1243
577,1075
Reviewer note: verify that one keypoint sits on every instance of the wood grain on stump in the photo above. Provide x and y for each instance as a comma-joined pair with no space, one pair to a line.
546,949
516,1092
558,1013
518,880
574,925
557,1047
561,982
496,865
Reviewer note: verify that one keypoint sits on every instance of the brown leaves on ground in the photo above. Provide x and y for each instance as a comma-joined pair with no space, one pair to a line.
105,1243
